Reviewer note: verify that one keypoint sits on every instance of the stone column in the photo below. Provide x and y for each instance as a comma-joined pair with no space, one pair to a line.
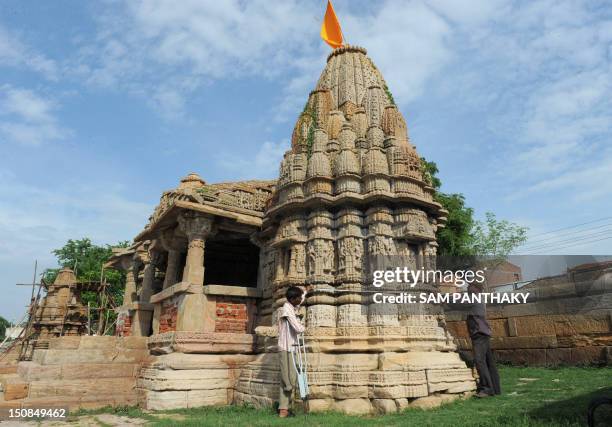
143,309
197,227
130,294
195,312
174,257
151,260
175,246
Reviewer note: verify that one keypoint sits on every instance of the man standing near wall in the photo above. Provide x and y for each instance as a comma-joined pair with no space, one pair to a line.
480,334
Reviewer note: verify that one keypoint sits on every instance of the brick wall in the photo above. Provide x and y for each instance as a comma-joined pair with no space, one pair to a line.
233,315
168,315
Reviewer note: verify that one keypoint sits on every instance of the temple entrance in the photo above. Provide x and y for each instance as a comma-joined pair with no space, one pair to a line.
231,261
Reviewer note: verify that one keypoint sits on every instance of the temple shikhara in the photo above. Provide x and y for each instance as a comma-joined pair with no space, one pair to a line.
210,269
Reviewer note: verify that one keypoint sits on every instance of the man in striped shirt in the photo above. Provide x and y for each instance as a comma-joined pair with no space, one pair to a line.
289,326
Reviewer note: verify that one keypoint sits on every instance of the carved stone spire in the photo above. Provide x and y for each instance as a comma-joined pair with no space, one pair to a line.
350,191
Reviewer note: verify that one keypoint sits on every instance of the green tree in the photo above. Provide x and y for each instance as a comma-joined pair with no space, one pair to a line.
3,325
87,260
463,236
455,238
497,238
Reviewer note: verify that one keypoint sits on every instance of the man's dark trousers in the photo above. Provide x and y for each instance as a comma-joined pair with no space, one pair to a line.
485,364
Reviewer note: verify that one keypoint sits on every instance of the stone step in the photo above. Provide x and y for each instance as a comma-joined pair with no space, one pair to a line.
8,369
32,371
159,400
14,387
103,355
74,403
13,404
80,388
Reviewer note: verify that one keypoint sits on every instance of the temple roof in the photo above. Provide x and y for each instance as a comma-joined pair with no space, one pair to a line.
241,200
350,144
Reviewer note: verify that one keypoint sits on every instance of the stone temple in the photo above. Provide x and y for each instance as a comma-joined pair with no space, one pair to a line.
207,274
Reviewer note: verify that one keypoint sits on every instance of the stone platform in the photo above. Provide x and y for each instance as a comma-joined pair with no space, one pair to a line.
77,373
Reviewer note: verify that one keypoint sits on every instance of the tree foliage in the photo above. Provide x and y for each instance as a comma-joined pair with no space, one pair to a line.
463,236
3,325
497,238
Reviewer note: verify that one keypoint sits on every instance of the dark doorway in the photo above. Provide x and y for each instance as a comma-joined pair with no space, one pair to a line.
231,261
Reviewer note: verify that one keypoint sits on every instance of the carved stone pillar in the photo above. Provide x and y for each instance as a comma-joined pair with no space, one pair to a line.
175,246
145,258
197,227
149,258
174,257
130,294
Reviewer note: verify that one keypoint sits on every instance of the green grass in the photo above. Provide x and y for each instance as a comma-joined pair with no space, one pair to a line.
556,397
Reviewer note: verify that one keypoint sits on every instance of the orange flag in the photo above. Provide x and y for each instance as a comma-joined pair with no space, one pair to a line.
331,32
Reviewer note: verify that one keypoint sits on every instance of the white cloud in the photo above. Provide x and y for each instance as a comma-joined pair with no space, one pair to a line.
27,118
411,42
74,209
538,74
263,165
141,46
35,219
408,41
15,53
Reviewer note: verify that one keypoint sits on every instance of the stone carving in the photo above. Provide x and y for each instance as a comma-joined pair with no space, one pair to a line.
350,256
252,200
321,315
320,257
195,226
352,315
381,245
297,268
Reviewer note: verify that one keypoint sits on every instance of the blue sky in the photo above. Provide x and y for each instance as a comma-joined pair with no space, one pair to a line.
103,105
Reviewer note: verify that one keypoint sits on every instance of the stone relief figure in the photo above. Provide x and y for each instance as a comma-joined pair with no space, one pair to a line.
296,261
300,260
381,245
312,258
408,254
327,255
342,254
429,256
269,267
320,257
350,253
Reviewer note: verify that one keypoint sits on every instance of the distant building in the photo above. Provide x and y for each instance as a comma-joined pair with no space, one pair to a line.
504,273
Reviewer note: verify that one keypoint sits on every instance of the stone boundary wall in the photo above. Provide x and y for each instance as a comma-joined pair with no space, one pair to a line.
78,372
563,323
